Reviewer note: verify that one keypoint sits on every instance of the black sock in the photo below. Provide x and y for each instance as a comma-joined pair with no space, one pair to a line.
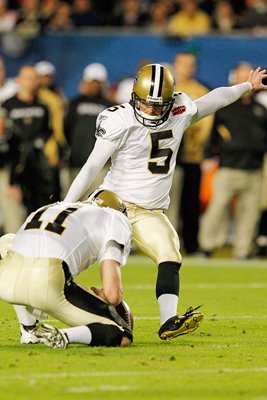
168,278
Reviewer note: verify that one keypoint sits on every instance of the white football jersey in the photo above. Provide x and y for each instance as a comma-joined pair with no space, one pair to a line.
77,233
144,158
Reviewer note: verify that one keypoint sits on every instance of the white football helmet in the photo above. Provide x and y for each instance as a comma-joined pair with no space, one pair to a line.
153,84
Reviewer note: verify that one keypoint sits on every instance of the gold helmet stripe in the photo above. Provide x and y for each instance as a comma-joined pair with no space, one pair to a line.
156,80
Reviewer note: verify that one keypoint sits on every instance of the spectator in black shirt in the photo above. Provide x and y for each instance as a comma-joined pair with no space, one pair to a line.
80,121
255,17
224,18
30,22
129,13
26,122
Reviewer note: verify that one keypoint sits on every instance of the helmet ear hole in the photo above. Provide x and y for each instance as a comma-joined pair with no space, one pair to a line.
106,198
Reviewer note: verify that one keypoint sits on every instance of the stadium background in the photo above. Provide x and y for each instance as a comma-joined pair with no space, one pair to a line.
226,358
121,54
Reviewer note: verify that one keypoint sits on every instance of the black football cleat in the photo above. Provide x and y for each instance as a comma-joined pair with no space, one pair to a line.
181,324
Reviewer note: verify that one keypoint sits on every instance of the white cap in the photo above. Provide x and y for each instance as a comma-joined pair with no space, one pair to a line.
5,244
44,68
124,90
95,72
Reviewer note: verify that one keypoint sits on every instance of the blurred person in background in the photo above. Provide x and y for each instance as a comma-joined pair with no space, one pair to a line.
11,211
184,210
61,20
8,17
124,90
80,119
239,142
129,13
255,16
224,18
84,14
190,20
25,121
172,6
48,9
56,144
210,5
158,17
30,22
47,77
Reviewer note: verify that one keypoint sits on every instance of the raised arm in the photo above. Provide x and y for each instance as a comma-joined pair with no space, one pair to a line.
223,96
97,159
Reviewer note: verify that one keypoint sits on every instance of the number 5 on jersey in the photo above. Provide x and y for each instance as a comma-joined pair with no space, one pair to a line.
157,152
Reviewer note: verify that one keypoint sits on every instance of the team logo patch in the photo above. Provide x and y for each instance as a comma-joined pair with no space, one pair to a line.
178,110
99,130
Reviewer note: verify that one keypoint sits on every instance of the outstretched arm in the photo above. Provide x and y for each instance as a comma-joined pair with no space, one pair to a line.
97,159
223,96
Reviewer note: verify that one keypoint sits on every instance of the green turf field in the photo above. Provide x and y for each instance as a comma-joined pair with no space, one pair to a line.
226,358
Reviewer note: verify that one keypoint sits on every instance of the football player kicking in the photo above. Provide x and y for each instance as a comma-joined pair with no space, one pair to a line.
54,245
142,138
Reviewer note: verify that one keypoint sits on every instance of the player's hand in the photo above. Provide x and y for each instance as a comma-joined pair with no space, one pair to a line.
99,293
255,78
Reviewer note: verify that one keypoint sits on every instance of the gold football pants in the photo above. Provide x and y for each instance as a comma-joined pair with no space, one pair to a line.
154,234
41,283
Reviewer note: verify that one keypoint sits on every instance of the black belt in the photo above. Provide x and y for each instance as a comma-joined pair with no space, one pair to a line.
66,270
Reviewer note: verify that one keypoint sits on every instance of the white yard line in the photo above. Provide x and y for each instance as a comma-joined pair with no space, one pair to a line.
212,317
175,372
101,388
222,317
155,318
207,262
240,285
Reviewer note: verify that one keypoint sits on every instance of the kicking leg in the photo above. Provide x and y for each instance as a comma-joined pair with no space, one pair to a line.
156,237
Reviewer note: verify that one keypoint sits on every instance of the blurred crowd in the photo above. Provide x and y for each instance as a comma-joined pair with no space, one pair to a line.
31,18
